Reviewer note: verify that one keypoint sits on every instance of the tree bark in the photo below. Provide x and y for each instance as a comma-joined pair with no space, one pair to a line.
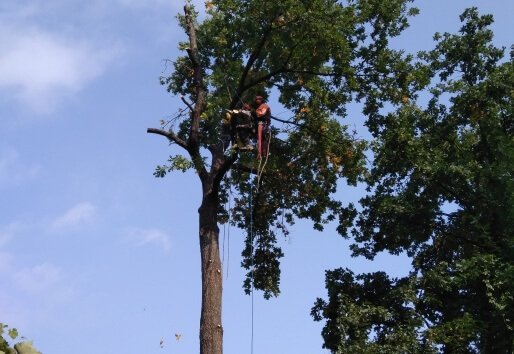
211,329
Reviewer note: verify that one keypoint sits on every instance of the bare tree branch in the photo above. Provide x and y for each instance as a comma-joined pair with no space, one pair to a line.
170,135
187,103
192,51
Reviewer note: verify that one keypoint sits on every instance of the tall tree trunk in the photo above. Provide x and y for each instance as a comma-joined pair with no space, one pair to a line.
211,329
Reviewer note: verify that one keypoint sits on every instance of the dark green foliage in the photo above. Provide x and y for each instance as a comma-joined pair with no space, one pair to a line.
369,313
442,191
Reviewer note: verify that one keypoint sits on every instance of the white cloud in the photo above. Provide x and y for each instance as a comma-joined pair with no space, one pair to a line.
38,278
48,55
79,214
14,171
155,237
40,69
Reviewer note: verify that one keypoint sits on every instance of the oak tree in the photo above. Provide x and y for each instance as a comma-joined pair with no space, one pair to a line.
314,57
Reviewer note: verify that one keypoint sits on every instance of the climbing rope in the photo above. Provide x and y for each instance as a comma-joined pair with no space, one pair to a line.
223,248
251,261
228,222
260,170
226,228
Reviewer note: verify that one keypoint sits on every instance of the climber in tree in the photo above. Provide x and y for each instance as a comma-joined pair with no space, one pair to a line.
262,116
237,127
244,127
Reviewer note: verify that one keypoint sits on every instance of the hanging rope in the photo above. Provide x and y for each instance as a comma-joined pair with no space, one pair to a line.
251,264
226,227
261,171
223,248
228,222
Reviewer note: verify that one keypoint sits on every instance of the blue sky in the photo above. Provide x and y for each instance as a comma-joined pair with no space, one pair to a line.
95,253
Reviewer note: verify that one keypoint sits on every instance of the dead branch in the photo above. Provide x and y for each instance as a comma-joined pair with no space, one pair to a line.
192,51
170,135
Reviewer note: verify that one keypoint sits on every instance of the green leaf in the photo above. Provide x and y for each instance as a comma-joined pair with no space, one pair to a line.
13,333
